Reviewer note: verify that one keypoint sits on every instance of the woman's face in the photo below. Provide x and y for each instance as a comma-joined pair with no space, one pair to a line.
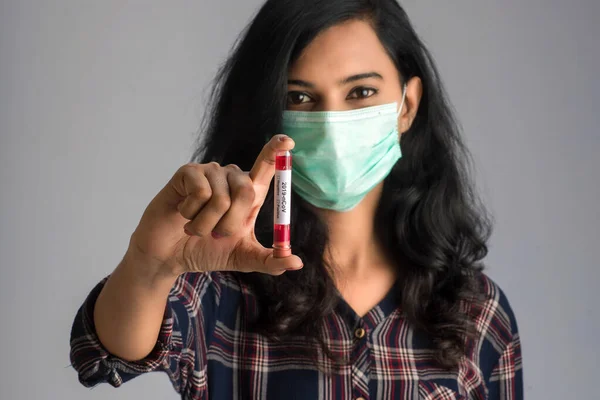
346,67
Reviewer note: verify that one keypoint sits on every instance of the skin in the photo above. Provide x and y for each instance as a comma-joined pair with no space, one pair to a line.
327,77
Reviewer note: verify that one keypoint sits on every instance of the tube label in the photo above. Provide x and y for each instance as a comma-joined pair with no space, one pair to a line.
283,196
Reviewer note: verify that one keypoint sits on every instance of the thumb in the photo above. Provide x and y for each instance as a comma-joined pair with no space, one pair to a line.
260,259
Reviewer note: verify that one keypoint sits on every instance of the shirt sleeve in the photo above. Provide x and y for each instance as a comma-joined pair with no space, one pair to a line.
506,380
180,350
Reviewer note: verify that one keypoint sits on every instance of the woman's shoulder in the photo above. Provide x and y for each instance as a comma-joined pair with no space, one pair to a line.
494,310
495,322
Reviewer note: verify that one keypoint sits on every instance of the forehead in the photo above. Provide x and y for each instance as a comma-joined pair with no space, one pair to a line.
345,49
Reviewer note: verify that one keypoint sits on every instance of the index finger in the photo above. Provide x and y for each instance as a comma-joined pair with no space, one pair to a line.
263,170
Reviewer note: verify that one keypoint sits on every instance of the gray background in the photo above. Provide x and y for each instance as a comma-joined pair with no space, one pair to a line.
99,102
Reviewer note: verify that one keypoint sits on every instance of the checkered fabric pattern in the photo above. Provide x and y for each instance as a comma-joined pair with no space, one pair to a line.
208,349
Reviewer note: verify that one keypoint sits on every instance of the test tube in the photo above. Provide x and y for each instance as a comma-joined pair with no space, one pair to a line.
281,214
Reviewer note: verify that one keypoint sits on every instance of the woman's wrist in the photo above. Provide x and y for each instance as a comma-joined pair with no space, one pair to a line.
148,271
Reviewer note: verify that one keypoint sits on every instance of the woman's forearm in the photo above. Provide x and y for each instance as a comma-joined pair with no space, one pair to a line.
130,308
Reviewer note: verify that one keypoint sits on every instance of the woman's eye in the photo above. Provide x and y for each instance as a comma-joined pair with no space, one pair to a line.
362,93
298,98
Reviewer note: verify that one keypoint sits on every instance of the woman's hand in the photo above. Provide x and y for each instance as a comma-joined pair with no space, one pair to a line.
203,219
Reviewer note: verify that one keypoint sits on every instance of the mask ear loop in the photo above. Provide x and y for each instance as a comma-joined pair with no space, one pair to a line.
403,98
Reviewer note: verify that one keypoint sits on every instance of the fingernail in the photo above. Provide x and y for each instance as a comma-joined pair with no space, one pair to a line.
283,138
216,235
294,269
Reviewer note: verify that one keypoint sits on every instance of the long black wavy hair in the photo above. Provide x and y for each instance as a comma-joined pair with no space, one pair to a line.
429,220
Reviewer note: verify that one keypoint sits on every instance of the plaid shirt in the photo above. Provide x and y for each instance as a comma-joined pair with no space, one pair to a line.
208,350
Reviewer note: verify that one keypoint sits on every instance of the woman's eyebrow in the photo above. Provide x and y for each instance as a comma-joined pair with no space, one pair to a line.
359,77
302,83
345,81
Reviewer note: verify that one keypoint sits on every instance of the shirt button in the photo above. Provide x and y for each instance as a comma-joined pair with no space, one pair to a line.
359,334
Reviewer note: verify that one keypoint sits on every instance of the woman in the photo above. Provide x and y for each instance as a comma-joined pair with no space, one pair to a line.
384,296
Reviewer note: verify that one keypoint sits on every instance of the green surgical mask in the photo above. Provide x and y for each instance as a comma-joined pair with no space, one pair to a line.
340,156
